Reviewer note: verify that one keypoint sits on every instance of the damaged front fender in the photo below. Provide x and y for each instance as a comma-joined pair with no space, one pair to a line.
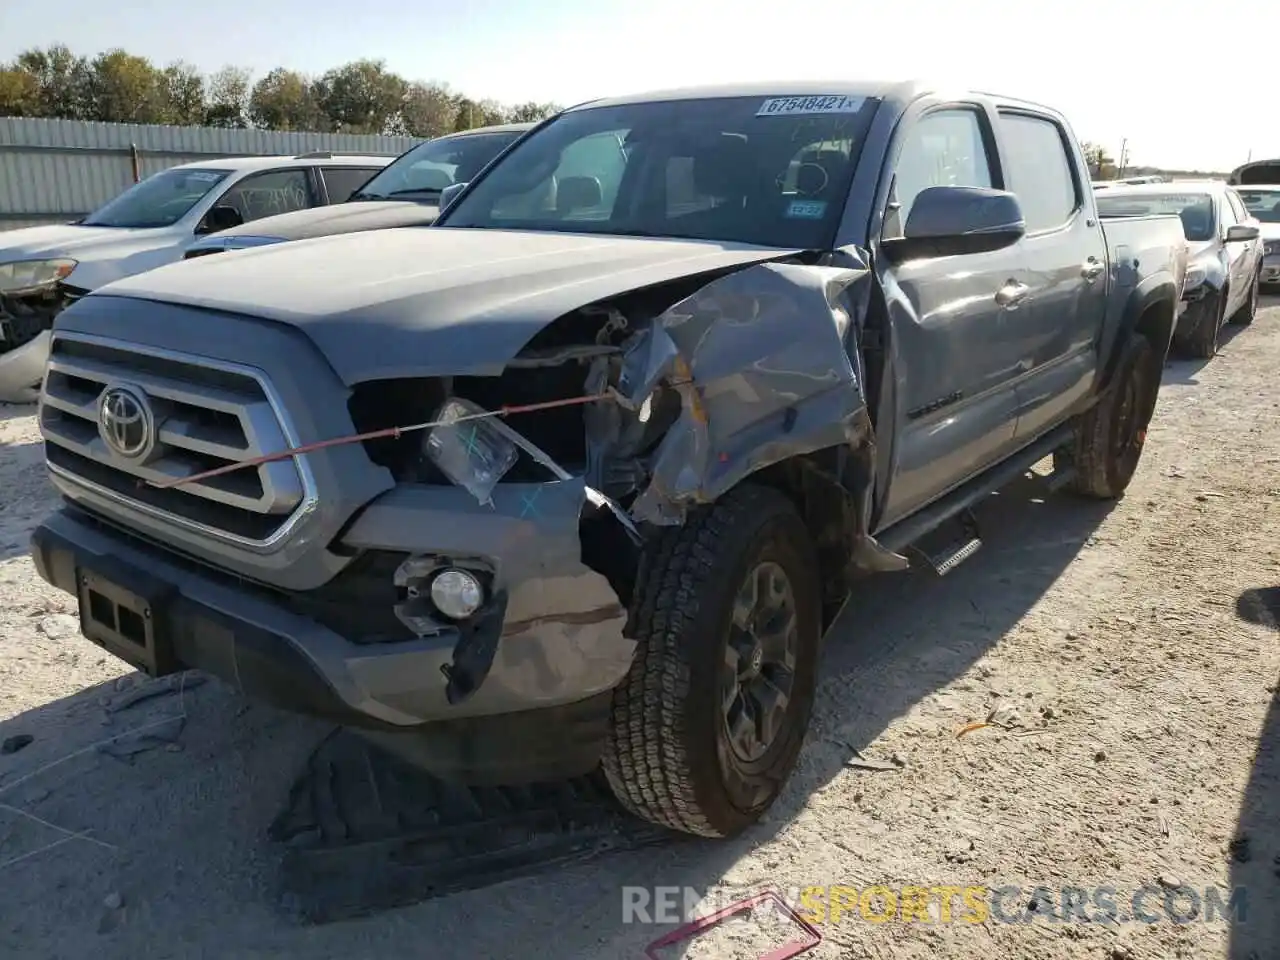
761,359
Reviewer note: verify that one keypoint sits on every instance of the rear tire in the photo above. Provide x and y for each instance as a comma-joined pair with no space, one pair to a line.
1202,342
670,757
1244,316
1110,436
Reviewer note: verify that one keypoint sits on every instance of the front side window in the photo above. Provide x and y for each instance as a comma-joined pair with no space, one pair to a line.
423,172
1226,216
945,149
1195,209
1263,205
767,171
1039,170
161,200
269,194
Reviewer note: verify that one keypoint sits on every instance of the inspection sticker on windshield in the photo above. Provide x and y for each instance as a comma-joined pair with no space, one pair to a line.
801,106
807,209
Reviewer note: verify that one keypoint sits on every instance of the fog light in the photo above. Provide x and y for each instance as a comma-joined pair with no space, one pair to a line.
456,594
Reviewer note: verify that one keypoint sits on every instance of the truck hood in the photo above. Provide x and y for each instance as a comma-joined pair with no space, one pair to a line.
349,217
428,302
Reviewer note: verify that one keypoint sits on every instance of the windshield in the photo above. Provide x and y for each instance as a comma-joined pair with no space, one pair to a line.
1263,204
430,167
1195,209
161,200
773,172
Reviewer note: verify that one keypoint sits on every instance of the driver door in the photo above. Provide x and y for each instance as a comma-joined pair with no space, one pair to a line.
958,322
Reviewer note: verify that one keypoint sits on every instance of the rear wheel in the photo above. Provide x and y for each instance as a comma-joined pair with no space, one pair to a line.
1244,316
707,727
1110,436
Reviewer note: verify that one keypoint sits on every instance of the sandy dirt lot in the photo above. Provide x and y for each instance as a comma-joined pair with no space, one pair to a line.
1135,646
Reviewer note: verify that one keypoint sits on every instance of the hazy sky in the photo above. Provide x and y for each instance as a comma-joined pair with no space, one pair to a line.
1176,78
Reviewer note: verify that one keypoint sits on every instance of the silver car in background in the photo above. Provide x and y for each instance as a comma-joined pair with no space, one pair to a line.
1225,253
1263,203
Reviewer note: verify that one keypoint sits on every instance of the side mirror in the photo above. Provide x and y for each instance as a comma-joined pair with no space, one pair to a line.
1241,232
219,218
450,193
953,221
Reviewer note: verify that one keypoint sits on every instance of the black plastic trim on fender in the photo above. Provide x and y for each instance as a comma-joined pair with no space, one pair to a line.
1151,291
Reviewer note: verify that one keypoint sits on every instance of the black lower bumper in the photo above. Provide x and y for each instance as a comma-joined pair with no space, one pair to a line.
162,614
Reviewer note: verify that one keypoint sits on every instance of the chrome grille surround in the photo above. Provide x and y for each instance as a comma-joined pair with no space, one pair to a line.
206,413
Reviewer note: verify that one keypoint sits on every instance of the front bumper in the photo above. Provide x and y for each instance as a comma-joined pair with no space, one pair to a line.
1199,307
548,658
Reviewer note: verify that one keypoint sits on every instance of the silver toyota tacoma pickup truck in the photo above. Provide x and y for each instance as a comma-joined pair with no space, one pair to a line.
579,477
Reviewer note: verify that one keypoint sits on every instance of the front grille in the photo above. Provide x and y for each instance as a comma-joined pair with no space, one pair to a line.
205,414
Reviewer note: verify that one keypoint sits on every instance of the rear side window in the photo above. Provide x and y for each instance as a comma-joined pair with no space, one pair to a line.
342,182
1039,170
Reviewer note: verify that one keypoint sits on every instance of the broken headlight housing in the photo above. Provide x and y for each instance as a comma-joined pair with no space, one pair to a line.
468,449
32,276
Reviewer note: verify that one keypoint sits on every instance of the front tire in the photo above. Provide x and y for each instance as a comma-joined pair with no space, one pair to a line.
1202,342
1110,436
708,725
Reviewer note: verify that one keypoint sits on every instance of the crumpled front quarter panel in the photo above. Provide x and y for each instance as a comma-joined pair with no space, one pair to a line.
761,360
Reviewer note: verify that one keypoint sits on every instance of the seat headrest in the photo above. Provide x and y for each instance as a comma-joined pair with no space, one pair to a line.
722,167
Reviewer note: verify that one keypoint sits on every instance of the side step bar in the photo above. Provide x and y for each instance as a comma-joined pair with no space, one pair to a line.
958,551
902,535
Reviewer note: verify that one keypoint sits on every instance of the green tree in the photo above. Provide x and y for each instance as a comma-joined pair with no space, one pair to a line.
532,112
1101,166
228,98
62,79
428,110
19,93
285,100
124,88
183,90
362,96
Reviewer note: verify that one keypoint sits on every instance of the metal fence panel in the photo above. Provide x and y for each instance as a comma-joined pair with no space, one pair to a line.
52,171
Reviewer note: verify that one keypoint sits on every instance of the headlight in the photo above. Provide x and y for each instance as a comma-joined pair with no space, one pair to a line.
1195,276
29,276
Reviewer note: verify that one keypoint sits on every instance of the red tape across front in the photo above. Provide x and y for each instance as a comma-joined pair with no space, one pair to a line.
395,432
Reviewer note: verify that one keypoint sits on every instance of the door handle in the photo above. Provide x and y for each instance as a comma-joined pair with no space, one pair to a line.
1011,294
1092,269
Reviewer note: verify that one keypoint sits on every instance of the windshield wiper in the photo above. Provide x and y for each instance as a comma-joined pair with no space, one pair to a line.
361,195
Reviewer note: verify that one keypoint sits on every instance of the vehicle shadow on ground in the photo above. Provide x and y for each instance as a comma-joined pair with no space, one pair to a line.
1256,855
187,823
1184,372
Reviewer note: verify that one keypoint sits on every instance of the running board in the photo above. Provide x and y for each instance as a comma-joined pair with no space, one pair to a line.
364,832
904,534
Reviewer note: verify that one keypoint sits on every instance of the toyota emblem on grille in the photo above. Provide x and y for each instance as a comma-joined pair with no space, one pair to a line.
125,422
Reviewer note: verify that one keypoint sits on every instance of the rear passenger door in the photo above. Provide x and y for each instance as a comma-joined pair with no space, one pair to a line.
1066,258
955,361
341,182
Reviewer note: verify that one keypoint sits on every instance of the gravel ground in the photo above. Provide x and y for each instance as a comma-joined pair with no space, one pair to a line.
1134,648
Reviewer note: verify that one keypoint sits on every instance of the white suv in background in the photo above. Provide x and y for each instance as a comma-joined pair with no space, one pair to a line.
149,225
